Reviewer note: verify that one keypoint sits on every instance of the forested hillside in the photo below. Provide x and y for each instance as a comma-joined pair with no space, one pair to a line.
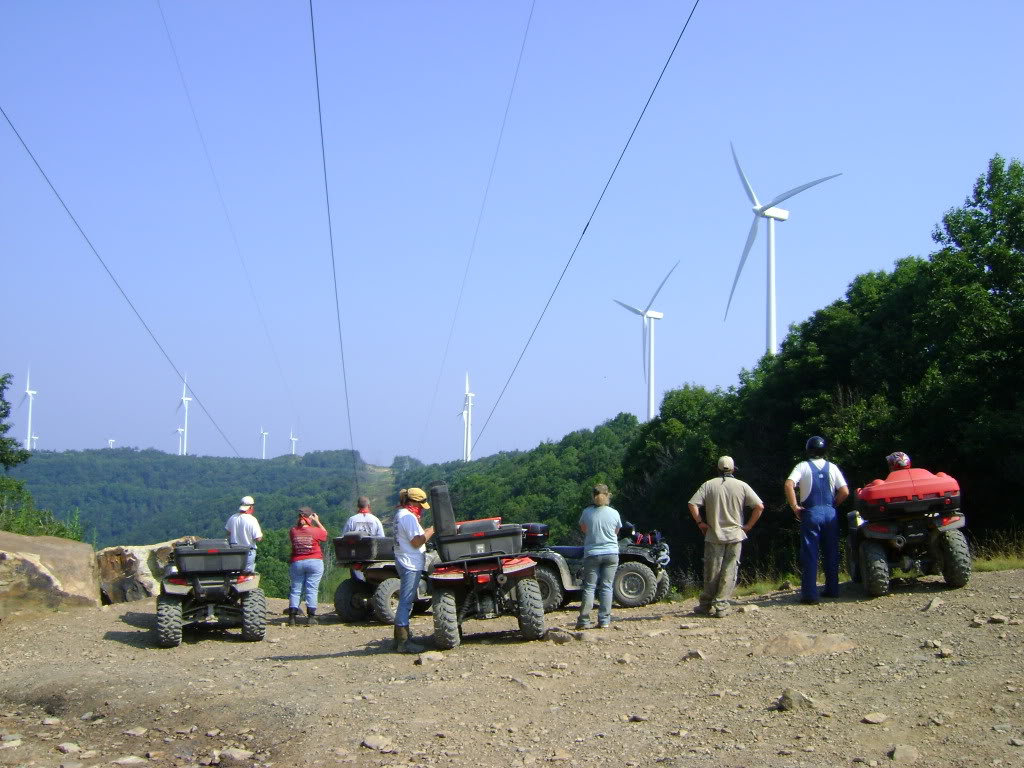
128,496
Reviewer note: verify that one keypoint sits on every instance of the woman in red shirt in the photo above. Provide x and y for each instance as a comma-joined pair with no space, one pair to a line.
307,565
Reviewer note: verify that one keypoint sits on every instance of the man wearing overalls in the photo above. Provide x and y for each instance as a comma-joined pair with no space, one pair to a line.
822,488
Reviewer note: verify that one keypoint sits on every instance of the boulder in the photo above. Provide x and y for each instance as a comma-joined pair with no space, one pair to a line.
41,573
132,573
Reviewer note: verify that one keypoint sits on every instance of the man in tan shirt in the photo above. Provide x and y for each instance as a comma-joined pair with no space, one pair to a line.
723,499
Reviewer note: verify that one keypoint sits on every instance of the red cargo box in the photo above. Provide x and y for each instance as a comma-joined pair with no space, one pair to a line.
908,492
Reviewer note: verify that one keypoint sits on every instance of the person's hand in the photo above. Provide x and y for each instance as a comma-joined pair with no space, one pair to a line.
429,532
703,527
746,528
798,511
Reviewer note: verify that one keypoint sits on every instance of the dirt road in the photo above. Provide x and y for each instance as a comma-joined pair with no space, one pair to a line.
945,693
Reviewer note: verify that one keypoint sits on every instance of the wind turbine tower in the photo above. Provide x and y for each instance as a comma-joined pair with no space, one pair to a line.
647,339
31,395
263,437
110,443
772,213
294,439
185,400
467,423
35,441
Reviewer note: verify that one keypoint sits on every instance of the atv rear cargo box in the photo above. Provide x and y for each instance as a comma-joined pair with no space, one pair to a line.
358,547
908,492
481,537
209,556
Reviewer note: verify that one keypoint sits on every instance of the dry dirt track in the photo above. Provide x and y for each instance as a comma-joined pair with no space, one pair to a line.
622,696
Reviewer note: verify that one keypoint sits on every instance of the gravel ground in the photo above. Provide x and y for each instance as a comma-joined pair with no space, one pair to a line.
939,671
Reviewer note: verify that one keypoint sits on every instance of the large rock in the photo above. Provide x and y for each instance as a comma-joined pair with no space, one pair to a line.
804,644
132,573
40,573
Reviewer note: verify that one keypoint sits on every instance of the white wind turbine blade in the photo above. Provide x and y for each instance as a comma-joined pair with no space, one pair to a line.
743,177
662,285
634,310
797,190
743,260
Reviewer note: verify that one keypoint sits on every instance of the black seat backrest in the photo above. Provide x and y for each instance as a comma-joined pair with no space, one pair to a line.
441,506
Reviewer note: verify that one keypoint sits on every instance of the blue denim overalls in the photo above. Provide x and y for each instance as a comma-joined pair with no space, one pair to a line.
819,526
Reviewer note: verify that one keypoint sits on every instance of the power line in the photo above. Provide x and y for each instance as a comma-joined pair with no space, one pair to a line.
114,279
330,232
224,209
476,229
590,218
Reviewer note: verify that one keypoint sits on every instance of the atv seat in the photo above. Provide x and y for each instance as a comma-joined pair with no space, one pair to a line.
569,553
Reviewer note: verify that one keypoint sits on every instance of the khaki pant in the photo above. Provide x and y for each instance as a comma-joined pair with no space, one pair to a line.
721,567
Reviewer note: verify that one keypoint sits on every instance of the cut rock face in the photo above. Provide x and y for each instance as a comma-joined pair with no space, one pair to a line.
44,573
133,573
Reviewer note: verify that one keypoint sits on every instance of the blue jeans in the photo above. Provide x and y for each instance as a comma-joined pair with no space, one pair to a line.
819,529
305,576
598,575
410,580
250,560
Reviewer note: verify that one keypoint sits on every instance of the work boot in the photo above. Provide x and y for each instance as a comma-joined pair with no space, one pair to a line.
405,644
292,613
310,617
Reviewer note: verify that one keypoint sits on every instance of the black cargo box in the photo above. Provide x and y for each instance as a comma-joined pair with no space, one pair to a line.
535,535
210,556
506,540
358,547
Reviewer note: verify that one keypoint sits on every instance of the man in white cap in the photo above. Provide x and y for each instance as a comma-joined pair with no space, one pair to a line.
244,531
724,499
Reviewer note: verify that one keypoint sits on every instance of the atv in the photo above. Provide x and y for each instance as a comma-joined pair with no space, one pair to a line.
481,574
374,584
207,585
911,521
641,578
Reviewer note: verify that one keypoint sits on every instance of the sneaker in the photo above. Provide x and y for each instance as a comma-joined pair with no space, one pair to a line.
580,626
604,626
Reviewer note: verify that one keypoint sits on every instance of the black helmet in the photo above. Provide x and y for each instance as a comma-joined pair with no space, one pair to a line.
815,446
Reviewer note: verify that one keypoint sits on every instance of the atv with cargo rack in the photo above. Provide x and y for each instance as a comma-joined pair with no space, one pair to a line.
373,586
206,584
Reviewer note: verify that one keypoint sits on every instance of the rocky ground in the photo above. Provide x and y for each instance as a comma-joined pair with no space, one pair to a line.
926,676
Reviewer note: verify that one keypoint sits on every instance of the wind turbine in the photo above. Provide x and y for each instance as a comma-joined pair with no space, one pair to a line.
772,213
263,437
110,443
467,423
294,440
31,395
185,400
649,316
35,441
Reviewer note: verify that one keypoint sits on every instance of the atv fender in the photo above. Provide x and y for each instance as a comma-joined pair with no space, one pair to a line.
955,521
556,560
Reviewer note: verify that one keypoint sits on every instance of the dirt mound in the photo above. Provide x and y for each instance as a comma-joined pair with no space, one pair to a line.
942,687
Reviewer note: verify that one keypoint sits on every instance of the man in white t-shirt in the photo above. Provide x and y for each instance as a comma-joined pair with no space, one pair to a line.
822,488
244,530
411,561
364,521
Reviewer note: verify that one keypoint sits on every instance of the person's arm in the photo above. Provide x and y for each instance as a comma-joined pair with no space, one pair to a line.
755,515
695,514
423,538
316,521
790,488
841,495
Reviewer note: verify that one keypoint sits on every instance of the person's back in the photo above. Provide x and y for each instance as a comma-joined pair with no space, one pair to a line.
724,498
603,524
364,521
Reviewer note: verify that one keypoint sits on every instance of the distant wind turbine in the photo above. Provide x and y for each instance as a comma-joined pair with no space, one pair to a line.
294,439
263,437
773,214
110,443
30,394
35,441
181,433
185,400
467,423
647,339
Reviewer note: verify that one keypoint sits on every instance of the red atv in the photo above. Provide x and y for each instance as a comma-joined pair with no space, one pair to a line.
481,574
911,521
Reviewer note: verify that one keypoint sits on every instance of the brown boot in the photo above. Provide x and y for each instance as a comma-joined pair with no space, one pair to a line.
404,644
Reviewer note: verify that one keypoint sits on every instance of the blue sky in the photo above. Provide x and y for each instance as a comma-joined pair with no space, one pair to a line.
907,100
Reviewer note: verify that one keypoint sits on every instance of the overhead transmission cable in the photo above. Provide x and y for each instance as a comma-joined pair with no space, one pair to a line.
476,229
590,218
224,210
334,265
110,274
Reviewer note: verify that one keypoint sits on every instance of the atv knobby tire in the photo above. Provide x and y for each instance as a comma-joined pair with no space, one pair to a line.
530,608
446,619
956,558
552,594
384,600
874,568
168,621
663,587
350,600
254,615
634,585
